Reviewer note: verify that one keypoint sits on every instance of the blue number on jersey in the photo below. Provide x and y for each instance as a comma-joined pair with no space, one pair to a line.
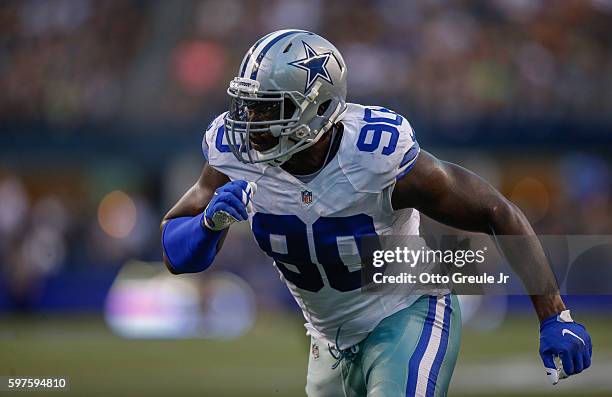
378,125
219,140
293,230
326,231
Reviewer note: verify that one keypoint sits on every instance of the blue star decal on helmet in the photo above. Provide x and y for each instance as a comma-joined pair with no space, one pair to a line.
314,64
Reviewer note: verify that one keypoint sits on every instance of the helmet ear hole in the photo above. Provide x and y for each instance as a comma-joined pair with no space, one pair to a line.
323,107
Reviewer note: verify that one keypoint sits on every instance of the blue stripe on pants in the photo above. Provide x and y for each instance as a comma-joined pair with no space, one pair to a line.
415,360
435,368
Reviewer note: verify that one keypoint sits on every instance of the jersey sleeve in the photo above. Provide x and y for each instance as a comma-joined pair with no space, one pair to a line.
381,148
205,146
214,139
220,157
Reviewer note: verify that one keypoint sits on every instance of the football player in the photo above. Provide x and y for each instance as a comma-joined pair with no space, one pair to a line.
314,175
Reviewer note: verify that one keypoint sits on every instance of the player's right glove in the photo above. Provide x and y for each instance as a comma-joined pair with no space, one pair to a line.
230,203
565,346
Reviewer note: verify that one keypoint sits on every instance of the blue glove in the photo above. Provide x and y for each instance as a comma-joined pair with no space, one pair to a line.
565,346
230,203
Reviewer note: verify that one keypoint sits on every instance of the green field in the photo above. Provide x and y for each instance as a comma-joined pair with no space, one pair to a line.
269,361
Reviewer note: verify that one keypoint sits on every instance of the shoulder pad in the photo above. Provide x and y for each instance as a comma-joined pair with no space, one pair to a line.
214,143
378,147
220,156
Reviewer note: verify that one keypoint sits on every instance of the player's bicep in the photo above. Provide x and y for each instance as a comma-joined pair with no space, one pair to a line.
447,193
197,197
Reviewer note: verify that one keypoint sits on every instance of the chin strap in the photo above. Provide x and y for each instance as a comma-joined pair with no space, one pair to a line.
341,108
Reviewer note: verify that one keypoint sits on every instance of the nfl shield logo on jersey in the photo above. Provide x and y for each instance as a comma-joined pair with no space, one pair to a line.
306,197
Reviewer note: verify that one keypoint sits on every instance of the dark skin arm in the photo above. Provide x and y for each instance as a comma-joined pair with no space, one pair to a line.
459,198
195,200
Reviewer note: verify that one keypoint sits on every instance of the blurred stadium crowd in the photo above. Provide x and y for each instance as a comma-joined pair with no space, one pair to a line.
84,60
68,67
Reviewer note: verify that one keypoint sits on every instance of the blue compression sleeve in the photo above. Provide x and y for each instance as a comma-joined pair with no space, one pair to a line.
189,246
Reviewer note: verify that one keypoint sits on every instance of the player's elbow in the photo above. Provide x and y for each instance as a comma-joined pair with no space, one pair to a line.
506,218
183,267
187,246
185,261
165,259
170,268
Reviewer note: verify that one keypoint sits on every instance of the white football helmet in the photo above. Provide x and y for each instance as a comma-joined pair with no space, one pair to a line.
292,85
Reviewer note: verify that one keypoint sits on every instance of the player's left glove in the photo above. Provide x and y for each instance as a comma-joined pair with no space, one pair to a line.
565,346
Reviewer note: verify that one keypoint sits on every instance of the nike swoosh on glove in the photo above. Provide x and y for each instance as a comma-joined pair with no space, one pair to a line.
230,203
565,346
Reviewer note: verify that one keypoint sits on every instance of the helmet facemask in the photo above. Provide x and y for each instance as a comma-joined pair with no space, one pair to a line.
255,115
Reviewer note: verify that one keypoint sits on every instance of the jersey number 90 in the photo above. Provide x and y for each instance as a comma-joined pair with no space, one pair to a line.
285,238
372,132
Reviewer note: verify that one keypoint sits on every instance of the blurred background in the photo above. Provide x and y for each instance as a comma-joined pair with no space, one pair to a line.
102,109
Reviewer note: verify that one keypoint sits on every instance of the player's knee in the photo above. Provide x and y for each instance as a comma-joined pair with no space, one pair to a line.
386,388
320,390
330,387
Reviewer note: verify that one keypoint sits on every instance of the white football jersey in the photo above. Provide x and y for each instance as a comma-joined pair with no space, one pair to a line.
311,230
